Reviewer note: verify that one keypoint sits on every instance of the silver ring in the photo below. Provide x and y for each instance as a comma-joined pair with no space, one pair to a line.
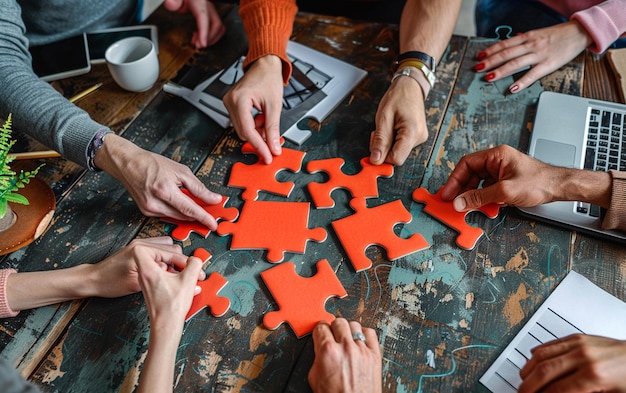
358,336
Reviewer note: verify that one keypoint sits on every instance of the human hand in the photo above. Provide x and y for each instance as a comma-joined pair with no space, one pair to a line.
400,123
577,364
169,293
208,21
545,50
118,275
154,181
509,177
260,88
343,364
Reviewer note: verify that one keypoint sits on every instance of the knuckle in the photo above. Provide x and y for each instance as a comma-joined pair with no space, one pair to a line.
474,199
150,207
547,368
380,139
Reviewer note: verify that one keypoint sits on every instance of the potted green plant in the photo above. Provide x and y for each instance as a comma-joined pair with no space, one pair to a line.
10,181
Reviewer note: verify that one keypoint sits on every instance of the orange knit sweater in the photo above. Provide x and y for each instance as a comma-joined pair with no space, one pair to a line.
268,25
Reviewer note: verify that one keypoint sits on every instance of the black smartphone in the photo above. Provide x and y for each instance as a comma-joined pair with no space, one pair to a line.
61,59
99,41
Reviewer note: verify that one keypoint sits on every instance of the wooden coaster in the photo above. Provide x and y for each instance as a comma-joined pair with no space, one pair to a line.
32,219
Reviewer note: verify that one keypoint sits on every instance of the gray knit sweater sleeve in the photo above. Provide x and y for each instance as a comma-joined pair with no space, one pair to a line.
37,108
12,382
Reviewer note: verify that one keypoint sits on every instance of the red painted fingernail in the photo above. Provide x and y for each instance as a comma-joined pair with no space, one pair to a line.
490,76
514,89
479,67
481,55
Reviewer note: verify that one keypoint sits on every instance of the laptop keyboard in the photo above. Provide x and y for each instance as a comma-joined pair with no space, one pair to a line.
606,147
606,141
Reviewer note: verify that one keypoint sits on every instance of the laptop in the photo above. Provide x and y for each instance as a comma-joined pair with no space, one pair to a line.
578,132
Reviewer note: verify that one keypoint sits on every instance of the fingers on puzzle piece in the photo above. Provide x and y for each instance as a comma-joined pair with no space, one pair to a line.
375,226
363,184
261,176
208,297
278,227
210,288
202,253
184,228
301,300
445,213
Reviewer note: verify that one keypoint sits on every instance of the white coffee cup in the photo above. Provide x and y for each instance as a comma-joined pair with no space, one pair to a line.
133,63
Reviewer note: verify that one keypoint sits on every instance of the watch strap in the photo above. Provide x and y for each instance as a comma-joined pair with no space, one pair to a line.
427,59
419,77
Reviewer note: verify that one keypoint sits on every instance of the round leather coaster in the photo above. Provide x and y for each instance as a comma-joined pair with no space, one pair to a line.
32,219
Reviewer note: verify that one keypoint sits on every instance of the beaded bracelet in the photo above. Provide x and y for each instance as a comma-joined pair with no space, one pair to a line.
96,143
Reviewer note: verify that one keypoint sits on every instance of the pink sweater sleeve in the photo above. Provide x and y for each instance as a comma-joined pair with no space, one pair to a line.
5,310
605,22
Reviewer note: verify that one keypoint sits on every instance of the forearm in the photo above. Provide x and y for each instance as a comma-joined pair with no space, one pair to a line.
36,289
582,185
427,25
157,374
37,108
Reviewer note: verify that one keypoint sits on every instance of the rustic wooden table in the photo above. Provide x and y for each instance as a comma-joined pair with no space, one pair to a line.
461,306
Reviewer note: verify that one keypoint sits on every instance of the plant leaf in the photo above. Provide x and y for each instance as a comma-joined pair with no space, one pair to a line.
16,198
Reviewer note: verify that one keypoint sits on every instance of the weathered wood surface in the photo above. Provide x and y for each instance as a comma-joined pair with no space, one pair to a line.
463,306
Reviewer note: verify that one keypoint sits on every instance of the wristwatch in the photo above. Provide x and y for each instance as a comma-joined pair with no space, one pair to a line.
428,60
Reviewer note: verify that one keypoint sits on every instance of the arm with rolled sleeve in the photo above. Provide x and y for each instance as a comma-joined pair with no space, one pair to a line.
37,108
268,25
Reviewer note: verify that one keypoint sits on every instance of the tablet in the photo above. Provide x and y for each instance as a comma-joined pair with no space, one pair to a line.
61,59
99,41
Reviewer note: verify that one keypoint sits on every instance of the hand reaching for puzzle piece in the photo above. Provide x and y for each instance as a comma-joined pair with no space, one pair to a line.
208,296
446,214
184,228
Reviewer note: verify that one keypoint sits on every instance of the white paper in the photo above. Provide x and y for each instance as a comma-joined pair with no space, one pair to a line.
575,306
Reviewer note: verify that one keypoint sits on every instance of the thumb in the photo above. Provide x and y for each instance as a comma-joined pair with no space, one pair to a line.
193,271
173,5
474,199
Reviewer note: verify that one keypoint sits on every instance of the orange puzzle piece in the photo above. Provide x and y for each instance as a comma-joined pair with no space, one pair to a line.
445,213
184,228
278,227
301,300
261,176
210,288
374,226
362,184
202,253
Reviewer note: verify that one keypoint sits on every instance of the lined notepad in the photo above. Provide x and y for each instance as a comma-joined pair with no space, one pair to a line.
575,306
